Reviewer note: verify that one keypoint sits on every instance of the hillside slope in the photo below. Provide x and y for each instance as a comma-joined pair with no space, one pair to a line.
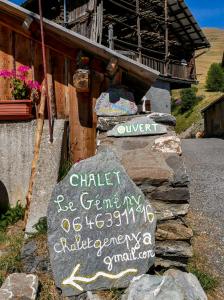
214,54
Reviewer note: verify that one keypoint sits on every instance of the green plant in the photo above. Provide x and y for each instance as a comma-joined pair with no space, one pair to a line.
64,168
12,215
41,226
215,78
188,99
207,281
21,87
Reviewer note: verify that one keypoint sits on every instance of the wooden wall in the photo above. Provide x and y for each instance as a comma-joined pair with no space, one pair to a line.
20,48
214,120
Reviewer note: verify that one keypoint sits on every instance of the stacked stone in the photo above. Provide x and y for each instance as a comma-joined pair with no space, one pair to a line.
155,164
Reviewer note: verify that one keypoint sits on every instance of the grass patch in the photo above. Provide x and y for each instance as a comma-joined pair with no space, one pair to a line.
11,261
207,281
184,121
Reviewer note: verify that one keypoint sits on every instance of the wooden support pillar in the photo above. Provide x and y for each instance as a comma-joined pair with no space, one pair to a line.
139,32
166,66
82,119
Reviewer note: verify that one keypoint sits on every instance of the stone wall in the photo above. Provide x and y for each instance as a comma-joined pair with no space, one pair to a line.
16,154
160,97
163,179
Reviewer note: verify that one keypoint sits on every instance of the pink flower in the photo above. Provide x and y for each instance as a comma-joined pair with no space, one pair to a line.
23,69
6,74
33,85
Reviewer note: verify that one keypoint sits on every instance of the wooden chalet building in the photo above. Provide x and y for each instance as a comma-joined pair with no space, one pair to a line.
161,34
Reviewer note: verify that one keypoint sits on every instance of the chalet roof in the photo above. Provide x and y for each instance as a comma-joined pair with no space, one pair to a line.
134,68
220,99
183,22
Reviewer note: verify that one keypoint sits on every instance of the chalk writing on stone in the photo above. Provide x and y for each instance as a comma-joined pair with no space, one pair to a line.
137,126
101,229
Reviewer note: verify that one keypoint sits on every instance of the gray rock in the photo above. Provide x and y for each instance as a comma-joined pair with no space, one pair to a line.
180,177
174,249
167,263
149,287
116,102
137,127
31,261
168,144
175,195
189,284
100,227
168,211
173,230
163,118
19,286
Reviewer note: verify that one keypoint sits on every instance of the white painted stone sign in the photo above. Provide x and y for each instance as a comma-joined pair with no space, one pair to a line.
101,229
137,127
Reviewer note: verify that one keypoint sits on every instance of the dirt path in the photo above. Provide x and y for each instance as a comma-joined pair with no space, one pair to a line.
204,159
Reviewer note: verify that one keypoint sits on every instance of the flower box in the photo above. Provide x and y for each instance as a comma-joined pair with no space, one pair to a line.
16,110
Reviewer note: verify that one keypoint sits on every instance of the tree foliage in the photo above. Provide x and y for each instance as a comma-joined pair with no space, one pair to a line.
215,78
188,99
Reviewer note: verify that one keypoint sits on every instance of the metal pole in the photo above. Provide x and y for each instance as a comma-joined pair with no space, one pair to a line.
166,39
45,73
139,32
65,13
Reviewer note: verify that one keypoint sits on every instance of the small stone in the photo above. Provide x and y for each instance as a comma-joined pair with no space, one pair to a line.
175,195
149,287
188,283
168,144
19,286
173,230
137,127
174,249
116,102
163,118
167,211
166,263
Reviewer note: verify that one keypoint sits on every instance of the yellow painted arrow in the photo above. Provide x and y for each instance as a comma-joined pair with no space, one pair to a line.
72,279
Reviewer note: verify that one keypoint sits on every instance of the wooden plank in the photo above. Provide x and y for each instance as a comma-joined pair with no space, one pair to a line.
58,73
6,61
23,52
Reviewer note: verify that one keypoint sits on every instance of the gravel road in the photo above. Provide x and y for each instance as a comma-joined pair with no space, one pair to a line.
204,159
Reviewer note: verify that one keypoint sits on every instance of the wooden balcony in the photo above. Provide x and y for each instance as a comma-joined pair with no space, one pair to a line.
173,69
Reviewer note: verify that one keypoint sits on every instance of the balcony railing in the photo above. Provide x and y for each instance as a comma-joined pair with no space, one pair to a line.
173,69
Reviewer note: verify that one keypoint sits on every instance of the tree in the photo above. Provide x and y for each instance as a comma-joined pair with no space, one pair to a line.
188,99
215,78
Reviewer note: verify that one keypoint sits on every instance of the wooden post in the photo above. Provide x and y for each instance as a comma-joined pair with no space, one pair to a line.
37,141
139,32
166,66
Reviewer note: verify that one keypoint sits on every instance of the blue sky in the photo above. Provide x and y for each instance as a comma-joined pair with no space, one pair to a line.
208,13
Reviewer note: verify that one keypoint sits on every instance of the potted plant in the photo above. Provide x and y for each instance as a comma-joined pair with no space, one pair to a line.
24,93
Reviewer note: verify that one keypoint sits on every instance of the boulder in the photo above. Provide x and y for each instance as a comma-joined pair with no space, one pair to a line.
149,287
168,144
116,102
163,118
167,211
101,229
19,286
138,127
188,283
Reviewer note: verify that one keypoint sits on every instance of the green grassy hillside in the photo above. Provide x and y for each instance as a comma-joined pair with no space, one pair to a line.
214,54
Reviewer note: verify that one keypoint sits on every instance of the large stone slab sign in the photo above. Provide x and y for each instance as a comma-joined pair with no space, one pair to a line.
101,229
116,102
137,127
